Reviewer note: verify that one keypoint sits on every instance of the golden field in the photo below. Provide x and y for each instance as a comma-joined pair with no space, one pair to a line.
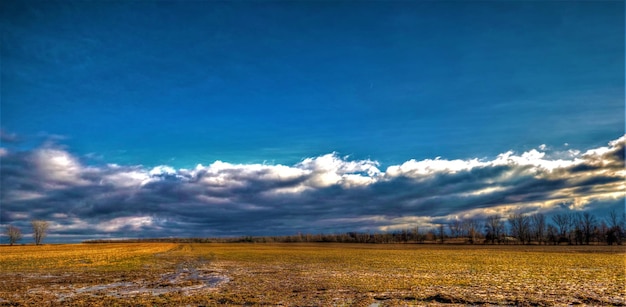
310,274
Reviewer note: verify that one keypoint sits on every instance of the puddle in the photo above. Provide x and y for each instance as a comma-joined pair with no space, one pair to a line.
188,278
104,287
171,283
132,289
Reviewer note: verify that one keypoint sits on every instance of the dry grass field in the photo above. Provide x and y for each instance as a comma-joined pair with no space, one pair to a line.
168,274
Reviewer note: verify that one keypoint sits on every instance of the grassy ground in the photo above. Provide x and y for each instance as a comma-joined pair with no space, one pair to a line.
310,275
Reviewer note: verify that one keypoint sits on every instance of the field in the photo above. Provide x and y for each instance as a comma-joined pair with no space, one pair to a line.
166,274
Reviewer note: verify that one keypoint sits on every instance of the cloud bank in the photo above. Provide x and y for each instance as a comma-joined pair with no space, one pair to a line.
329,193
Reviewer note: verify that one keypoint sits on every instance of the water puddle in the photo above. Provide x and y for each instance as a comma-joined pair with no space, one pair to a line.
122,289
188,278
103,287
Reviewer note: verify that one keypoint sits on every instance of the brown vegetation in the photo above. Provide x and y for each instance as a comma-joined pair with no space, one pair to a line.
311,274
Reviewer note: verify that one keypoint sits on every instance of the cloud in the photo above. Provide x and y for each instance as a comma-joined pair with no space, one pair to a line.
58,168
6,137
329,193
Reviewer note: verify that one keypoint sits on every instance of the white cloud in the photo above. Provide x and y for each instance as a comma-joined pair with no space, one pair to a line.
311,173
134,223
597,151
533,158
620,141
58,167
573,153
601,151
413,168
330,169
352,181
126,178
485,191
162,170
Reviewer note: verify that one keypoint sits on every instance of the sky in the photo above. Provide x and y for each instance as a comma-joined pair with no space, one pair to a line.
210,118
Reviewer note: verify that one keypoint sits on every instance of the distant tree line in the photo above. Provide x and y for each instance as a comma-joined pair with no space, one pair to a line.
567,228
581,228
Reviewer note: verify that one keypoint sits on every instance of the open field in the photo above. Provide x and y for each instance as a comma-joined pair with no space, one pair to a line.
155,274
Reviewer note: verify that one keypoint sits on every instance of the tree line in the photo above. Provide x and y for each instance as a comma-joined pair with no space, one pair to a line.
581,228
565,228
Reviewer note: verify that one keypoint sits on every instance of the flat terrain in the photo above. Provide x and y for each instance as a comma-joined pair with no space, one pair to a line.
156,274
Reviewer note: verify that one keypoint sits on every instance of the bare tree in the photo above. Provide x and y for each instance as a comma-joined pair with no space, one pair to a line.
494,228
520,227
538,227
404,235
616,228
563,224
613,219
39,230
470,227
416,233
587,223
621,229
552,234
575,230
601,232
441,233
14,234
456,227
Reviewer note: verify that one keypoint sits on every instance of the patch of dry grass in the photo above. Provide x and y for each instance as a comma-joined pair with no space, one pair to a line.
48,258
319,274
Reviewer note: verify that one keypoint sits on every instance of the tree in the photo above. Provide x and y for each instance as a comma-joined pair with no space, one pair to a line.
614,233
587,222
14,234
600,232
456,227
494,228
39,230
563,223
442,233
552,233
416,234
520,227
470,227
613,219
538,227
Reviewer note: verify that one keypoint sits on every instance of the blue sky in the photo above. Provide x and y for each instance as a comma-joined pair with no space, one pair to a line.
147,84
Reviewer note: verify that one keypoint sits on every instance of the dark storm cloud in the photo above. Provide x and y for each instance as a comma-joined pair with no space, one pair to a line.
322,194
